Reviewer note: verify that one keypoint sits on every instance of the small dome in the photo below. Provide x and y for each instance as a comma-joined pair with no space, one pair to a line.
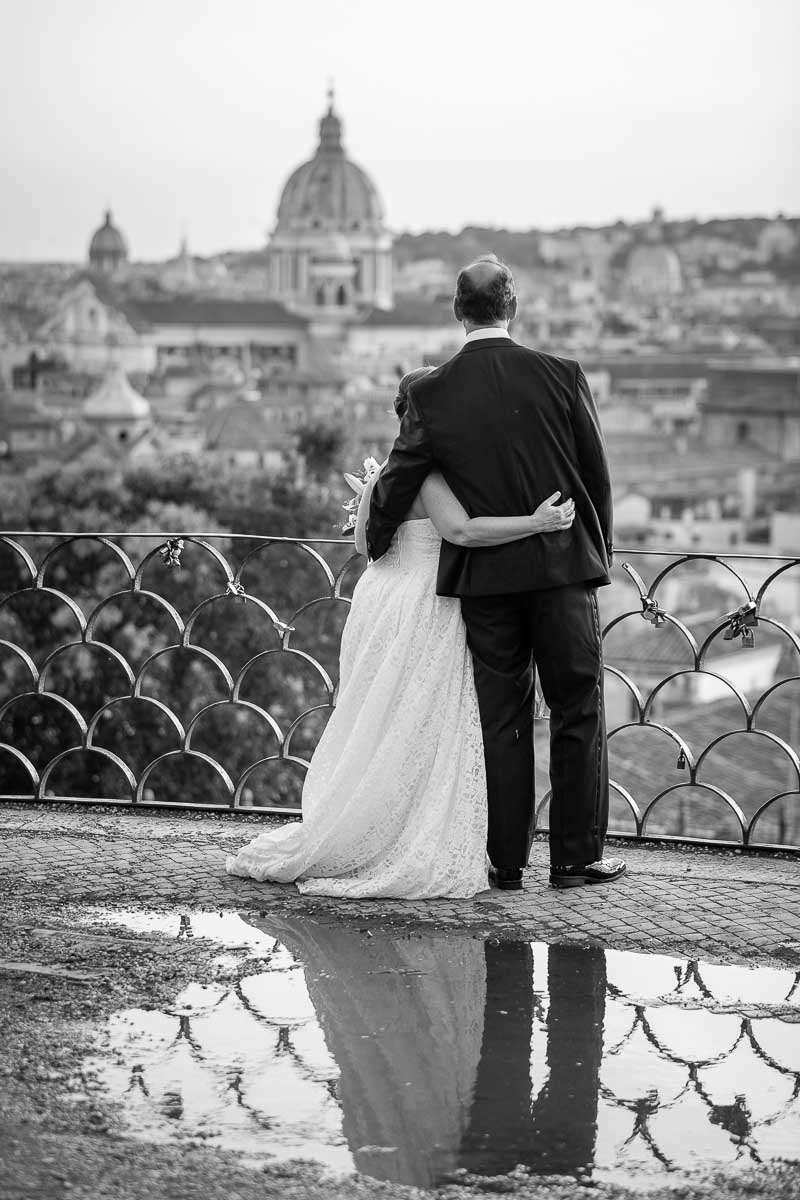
116,400
777,239
654,270
108,240
329,190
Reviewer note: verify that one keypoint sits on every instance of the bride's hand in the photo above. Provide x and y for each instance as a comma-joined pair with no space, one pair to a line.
550,517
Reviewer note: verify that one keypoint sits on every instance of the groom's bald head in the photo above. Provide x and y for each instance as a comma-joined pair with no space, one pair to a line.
485,293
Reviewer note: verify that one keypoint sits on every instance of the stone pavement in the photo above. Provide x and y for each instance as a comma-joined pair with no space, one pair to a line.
677,900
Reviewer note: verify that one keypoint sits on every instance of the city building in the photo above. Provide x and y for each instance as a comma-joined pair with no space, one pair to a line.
258,335
94,321
405,336
91,319
650,394
249,433
330,253
28,432
754,403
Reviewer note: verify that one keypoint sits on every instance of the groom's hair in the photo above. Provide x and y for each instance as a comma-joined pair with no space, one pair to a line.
401,399
485,290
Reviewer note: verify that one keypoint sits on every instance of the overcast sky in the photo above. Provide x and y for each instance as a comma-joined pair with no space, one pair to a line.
190,114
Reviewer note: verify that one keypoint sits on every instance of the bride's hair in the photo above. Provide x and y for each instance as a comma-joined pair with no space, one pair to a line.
401,399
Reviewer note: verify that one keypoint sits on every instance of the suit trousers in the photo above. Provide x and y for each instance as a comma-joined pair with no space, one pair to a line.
558,629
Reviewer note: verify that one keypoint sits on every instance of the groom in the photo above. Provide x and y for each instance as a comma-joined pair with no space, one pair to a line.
508,426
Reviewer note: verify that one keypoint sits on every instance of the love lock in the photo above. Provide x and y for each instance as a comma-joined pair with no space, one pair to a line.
171,552
652,611
741,622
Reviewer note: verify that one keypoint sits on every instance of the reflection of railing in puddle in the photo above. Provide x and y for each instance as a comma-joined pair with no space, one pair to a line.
736,1118
408,1058
221,1068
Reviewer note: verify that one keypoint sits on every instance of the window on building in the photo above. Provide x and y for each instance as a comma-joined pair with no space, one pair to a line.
341,295
742,431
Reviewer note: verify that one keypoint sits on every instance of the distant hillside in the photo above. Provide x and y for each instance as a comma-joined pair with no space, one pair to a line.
522,247
458,248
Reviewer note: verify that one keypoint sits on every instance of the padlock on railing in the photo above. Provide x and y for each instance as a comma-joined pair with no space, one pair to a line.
171,552
652,611
741,622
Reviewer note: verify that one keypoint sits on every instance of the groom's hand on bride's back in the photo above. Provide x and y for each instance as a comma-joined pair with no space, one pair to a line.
551,516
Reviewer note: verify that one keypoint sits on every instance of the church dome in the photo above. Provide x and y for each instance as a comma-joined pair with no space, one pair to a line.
776,240
330,252
329,191
108,248
653,269
116,400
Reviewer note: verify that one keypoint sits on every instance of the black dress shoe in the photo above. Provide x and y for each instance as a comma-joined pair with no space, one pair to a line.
508,879
603,871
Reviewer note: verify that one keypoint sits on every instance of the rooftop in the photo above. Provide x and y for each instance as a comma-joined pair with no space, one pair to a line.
408,312
185,310
115,399
244,425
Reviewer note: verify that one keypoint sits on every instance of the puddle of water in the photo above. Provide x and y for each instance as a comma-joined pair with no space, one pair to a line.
410,1057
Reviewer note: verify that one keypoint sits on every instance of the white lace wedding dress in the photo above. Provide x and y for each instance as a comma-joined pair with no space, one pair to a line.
394,802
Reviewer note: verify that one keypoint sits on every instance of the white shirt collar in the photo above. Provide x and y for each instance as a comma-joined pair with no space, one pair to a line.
494,331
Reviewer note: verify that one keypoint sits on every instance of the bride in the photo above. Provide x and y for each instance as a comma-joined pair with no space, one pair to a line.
394,801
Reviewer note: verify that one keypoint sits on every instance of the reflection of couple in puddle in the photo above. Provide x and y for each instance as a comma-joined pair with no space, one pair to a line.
432,1038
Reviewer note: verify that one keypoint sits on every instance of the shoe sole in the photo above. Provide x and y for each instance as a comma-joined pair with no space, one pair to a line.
571,881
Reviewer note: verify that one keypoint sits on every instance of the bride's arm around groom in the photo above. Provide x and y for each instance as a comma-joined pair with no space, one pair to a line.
454,524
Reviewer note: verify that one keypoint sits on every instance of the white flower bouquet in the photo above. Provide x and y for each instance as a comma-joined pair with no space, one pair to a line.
357,482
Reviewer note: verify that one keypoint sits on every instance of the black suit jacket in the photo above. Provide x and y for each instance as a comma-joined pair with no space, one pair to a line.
507,427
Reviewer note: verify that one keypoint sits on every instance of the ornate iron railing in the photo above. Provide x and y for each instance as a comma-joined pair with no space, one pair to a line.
199,670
